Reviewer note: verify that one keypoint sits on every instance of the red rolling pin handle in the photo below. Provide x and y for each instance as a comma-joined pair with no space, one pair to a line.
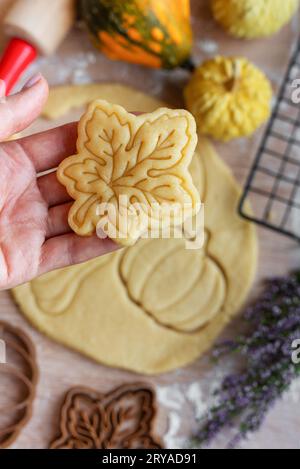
17,57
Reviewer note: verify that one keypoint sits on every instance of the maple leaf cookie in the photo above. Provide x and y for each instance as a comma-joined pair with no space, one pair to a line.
130,176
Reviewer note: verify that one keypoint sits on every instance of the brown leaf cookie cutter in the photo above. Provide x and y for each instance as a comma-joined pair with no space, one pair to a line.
121,419
21,372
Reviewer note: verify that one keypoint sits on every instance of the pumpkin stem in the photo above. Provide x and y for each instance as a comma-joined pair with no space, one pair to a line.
232,84
189,65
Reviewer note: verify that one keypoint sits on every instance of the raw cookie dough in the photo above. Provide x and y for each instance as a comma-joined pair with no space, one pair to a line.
135,168
65,98
156,306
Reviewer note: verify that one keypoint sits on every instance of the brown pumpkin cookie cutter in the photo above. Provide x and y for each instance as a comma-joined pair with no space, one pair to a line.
21,367
121,419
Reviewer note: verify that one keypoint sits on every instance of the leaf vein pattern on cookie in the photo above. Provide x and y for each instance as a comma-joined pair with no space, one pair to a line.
122,419
145,159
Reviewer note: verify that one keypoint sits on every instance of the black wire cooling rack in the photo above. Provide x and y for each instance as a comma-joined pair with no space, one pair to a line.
275,176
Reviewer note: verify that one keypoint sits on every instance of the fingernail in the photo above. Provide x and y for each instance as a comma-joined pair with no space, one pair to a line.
32,81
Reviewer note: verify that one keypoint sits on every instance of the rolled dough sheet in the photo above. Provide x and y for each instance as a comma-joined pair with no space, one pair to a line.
64,98
156,306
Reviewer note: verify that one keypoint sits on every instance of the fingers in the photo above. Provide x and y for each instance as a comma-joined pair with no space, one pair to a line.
47,149
52,191
71,249
58,220
18,111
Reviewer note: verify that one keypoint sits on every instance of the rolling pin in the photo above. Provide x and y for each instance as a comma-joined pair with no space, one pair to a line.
5,5
36,27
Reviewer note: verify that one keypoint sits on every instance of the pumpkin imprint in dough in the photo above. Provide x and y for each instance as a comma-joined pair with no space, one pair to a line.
152,270
148,274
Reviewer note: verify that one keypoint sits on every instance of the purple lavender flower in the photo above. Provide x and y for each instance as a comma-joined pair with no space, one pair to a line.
245,397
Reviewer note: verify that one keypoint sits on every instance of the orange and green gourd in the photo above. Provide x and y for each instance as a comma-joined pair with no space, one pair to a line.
154,33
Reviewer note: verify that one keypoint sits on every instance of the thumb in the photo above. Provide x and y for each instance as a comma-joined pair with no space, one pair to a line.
18,111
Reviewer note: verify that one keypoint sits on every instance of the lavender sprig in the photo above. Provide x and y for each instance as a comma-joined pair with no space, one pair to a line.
245,397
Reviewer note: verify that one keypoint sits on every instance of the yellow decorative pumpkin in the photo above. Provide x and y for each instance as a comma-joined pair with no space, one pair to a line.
253,18
229,97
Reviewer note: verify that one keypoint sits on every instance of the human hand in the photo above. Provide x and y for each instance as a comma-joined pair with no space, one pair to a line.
35,237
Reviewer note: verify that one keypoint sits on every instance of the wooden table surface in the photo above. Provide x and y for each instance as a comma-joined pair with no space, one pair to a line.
184,393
